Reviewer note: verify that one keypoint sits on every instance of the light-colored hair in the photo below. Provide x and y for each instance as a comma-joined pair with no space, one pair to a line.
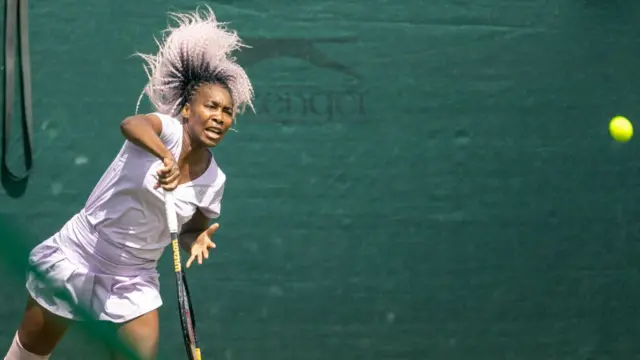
196,51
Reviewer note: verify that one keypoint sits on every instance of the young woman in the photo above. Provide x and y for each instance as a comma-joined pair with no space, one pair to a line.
105,256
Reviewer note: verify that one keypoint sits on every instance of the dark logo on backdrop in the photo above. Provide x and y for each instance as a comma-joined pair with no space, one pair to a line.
304,49
345,100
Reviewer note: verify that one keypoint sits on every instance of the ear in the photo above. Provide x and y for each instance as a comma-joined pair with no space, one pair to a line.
186,111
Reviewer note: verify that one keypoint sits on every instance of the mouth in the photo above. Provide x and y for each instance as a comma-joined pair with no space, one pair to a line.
213,132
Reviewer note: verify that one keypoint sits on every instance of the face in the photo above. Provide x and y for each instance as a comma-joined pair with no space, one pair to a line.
209,114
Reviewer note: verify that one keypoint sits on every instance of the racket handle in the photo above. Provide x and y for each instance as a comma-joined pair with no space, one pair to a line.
170,206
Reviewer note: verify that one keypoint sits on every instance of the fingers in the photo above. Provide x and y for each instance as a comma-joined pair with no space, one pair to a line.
166,169
168,176
168,172
167,186
170,182
191,258
200,249
196,256
212,229
199,253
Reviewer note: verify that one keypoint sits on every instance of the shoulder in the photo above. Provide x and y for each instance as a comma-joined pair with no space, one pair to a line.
214,181
171,132
167,121
163,117
218,177
211,190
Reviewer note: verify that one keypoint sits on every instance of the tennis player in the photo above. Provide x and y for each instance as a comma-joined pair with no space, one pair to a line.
105,256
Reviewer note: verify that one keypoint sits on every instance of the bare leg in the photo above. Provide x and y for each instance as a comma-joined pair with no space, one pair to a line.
39,332
141,334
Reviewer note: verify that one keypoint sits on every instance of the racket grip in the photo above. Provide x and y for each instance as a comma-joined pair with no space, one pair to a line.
170,206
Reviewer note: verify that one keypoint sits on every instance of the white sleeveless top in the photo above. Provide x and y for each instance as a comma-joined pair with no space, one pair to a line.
123,223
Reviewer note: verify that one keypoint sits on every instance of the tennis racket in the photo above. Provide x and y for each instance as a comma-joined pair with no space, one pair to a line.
187,317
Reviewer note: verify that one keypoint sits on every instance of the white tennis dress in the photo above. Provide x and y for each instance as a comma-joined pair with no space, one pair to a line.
105,256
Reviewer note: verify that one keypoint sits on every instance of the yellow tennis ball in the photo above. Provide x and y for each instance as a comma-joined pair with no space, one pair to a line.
621,129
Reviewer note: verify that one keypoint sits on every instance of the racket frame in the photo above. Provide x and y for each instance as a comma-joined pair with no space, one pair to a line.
185,308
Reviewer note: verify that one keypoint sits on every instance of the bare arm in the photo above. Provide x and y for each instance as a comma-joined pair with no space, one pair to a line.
144,131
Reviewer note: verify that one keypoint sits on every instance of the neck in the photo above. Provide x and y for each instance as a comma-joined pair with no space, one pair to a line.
191,150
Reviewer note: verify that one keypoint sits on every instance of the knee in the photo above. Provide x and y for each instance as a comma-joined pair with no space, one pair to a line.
147,349
141,335
39,331
143,345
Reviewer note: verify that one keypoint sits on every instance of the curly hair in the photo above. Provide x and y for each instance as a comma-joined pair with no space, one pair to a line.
196,51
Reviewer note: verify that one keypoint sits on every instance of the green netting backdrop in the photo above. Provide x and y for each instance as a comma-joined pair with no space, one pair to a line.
421,180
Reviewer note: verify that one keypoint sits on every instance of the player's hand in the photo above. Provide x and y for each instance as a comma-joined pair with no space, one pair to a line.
169,174
200,247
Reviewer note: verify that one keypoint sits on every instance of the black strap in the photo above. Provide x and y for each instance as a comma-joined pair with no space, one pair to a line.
17,35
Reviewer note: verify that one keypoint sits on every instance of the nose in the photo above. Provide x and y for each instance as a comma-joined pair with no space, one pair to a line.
216,116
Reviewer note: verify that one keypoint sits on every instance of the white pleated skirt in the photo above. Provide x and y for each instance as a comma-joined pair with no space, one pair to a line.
112,298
